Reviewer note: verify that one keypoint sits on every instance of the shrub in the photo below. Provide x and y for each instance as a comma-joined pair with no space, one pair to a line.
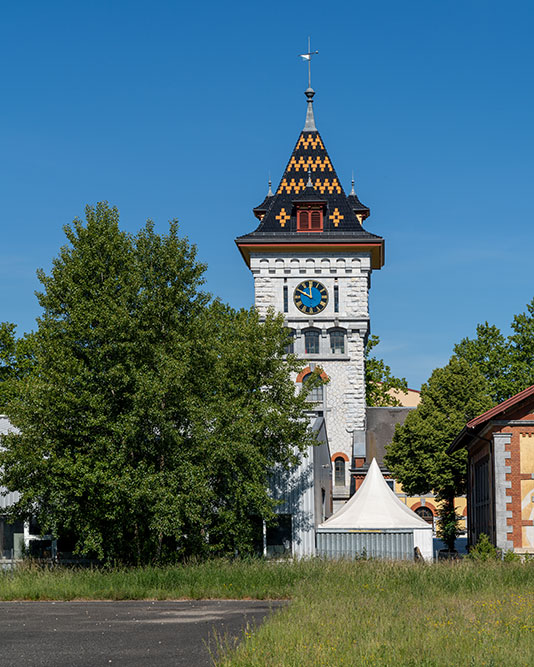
483,549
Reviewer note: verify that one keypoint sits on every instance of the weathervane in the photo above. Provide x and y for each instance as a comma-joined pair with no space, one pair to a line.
308,57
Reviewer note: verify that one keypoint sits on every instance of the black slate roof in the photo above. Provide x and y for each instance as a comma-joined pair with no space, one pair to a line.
278,221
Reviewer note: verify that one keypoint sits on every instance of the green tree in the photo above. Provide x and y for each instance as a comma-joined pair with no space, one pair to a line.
418,455
507,362
153,416
16,361
379,379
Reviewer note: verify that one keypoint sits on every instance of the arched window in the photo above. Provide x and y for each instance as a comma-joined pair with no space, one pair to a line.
426,514
339,471
316,394
337,341
311,341
290,347
303,221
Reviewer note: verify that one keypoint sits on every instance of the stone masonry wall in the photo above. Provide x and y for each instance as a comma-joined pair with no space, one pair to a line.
345,393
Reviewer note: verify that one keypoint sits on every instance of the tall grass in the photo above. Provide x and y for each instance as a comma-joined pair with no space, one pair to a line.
220,579
342,613
401,614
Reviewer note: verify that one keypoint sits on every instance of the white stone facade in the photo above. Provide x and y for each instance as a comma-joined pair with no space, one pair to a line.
344,396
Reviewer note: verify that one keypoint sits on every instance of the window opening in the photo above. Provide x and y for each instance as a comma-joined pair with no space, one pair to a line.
316,221
426,514
316,394
339,471
337,342
286,299
311,342
290,347
336,299
279,536
303,221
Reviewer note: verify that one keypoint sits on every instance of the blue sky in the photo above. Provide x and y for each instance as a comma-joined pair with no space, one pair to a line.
168,109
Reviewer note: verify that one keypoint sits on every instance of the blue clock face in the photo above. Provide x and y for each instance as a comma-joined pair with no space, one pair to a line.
310,297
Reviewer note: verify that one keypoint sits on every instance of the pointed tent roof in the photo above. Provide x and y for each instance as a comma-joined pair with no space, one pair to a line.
374,506
278,222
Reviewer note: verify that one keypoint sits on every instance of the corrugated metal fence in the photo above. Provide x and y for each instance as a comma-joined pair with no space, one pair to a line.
9,499
392,545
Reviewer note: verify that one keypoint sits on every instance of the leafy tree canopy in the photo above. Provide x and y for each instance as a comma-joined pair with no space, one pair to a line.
152,414
16,361
507,362
379,379
417,455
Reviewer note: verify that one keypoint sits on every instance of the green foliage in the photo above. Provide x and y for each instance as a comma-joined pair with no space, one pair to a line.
153,416
510,556
379,380
483,550
417,455
449,522
468,611
506,362
16,361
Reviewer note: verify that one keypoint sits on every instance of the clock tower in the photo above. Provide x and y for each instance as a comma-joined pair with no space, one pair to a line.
312,260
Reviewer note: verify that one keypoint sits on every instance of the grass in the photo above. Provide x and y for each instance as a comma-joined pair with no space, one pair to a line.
342,613
402,614
216,579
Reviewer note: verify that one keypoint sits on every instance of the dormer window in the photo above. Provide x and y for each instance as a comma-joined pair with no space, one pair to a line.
309,220
303,222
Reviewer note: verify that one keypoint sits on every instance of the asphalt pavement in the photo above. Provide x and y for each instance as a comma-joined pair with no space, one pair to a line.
93,634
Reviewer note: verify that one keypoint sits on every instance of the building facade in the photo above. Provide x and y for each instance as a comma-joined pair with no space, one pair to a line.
500,481
311,259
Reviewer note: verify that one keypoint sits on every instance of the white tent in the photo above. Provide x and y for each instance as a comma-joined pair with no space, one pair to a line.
376,521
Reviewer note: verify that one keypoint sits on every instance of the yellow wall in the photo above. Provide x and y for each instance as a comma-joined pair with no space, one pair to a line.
526,453
410,399
460,503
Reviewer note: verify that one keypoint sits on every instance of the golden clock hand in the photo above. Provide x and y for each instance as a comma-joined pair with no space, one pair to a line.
310,295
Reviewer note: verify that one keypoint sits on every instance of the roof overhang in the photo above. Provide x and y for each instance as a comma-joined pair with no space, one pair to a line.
375,248
474,428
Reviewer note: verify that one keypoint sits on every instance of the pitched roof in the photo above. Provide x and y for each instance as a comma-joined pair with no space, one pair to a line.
278,220
476,424
374,506
502,407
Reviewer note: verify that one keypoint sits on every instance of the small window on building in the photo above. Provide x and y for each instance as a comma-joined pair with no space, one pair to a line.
336,299
391,484
316,394
426,514
339,471
310,221
286,300
337,341
316,221
311,342
303,221
290,347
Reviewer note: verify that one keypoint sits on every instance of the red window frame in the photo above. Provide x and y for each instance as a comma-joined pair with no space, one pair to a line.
309,220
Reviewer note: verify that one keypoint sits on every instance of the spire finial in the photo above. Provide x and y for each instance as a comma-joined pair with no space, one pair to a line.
309,126
352,192
309,184
308,57
270,192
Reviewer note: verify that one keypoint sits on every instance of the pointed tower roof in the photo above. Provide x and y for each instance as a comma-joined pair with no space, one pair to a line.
356,205
310,176
374,506
260,210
